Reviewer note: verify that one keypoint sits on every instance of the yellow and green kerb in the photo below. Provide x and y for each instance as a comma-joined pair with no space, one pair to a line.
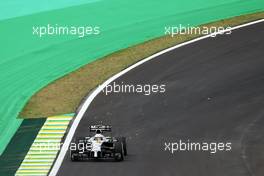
45,147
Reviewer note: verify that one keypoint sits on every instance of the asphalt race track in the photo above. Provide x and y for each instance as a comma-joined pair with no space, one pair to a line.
214,93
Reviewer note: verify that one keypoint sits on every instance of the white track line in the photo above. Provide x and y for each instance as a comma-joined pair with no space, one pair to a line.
90,98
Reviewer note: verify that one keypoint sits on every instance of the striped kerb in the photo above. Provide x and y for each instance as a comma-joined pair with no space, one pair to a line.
45,147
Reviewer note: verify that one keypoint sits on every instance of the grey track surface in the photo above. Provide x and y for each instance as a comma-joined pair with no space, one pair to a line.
215,92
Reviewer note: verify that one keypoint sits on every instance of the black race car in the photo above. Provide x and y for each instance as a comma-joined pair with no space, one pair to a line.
98,146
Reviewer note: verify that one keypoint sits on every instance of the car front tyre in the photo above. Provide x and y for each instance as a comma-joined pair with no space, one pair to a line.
119,151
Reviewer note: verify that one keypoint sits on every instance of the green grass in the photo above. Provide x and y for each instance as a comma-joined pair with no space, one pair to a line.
18,147
64,95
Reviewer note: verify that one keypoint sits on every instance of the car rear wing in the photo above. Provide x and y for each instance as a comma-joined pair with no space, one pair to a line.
106,128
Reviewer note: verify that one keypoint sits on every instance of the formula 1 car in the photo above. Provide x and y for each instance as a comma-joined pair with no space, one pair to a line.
98,146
